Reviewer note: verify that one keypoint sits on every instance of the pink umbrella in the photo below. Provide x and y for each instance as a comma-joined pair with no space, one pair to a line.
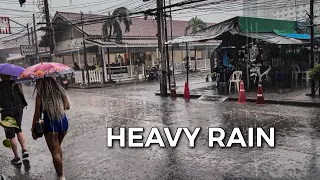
44,69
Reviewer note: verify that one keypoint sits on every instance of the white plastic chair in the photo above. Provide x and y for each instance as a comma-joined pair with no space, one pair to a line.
235,78
295,72
265,74
305,76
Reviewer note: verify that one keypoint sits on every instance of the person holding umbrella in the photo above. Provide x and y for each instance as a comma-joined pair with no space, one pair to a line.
12,103
52,103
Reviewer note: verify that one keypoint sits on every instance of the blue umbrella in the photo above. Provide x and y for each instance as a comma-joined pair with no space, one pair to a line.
11,70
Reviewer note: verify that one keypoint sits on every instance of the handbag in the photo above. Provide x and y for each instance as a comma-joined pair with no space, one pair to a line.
39,129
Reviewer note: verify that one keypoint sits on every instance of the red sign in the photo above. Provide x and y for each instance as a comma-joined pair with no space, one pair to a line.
5,25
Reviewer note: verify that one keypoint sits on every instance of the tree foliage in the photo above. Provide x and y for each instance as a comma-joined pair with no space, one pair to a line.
195,24
112,26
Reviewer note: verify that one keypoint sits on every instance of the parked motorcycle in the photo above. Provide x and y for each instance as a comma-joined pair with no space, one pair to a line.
255,73
64,81
152,74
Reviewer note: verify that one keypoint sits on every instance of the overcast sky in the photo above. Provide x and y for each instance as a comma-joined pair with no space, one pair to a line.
23,15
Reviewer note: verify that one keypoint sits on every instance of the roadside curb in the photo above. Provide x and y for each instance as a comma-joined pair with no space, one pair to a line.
106,85
192,96
253,100
281,102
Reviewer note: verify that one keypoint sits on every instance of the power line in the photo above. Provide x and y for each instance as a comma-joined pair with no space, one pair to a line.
118,5
232,8
16,10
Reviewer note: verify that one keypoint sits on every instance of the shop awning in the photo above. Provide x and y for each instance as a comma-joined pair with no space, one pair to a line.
15,57
269,30
292,34
136,43
206,34
273,38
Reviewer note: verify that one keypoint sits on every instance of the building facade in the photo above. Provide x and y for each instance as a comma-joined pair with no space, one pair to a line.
137,52
290,10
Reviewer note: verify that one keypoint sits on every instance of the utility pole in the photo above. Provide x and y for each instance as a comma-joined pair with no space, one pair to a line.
167,46
85,51
313,85
48,26
172,61
109,66
35,38
187,64
32,41
28,34
163,78
28,57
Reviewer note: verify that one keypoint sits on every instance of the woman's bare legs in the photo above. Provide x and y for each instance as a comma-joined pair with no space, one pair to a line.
55,149
60,137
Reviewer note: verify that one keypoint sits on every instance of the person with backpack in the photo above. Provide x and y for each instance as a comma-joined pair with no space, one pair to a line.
12,103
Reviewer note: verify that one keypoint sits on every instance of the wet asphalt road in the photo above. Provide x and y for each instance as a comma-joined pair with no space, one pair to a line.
86,156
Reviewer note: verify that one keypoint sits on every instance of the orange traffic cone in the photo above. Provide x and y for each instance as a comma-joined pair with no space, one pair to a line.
242,94
186,91
260,98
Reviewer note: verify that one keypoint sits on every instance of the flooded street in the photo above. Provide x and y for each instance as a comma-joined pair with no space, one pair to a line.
86,155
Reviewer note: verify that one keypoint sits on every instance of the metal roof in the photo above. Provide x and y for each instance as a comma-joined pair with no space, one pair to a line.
139,28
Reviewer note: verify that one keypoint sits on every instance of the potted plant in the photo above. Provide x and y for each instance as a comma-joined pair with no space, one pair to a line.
314,73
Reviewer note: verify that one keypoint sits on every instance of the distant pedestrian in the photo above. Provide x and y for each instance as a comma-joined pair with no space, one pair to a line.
52,102
12,102
76,67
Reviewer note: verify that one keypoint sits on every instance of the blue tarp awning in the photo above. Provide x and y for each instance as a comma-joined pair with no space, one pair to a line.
292,34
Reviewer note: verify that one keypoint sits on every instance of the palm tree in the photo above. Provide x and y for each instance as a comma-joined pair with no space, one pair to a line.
112,27
195,24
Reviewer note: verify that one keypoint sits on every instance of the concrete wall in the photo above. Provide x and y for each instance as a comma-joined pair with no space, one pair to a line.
67,34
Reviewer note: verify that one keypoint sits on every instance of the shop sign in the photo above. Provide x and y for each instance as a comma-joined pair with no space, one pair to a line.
118,72
27,50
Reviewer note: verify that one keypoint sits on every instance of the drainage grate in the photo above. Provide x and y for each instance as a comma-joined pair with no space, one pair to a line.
213,98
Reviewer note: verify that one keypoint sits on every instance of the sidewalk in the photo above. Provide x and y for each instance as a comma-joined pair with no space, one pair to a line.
197,89
134,80
99,85
294,96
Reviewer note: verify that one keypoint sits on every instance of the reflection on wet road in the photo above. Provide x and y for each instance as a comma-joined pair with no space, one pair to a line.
86,156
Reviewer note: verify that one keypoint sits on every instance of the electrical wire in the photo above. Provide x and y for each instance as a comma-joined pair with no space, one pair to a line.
178,8
16,10
232,8
118,5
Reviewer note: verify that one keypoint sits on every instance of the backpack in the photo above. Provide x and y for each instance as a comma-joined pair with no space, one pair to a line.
10,96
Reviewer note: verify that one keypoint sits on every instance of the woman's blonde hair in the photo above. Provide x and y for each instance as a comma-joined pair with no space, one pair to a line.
52,96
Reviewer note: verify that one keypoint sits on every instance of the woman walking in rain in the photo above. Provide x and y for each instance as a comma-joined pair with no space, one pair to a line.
52,102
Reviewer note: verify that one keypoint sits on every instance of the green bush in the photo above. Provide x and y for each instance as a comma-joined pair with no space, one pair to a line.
314,73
